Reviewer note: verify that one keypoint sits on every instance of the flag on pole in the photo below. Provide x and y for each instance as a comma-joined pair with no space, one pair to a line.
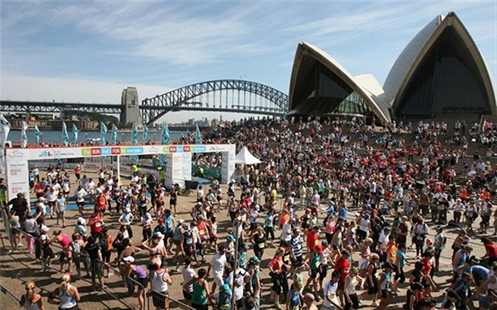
114,134
37,135
4,134
65,135
4,130
75,134
145,134
134,134
103,134
134,140
198,135
165,134
24,135
164,141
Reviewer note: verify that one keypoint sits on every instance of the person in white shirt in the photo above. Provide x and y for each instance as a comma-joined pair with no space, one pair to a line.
188,273
217,264
382,242
330,301
80,195
238,280
286,231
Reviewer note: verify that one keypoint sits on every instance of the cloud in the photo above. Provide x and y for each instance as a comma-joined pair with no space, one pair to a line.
67,89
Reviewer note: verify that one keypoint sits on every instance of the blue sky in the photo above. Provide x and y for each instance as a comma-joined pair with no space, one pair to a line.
88,51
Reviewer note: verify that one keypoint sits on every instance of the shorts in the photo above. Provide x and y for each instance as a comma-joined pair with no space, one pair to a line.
65,254
143,282
384,294
218,279
400,276
80,203
188,251
159,299
61,214
323,271
314,273
187,295
200,307
48,252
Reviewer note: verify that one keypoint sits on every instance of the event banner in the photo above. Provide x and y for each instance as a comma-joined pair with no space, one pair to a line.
18,171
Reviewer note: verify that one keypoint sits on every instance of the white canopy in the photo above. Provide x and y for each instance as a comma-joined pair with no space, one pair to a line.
244,157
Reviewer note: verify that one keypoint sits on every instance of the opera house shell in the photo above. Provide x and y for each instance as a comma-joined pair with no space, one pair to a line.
438,74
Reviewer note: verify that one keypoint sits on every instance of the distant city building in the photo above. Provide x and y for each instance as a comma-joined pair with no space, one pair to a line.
439,74
131,110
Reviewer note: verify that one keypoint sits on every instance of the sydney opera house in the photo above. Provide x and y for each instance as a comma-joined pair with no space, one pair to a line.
439,74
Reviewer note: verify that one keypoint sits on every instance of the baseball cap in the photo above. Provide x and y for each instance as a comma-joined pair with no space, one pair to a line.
129,259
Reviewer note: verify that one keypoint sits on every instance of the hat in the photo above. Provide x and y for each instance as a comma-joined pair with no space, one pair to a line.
225,288
129,259
181,221
158,235
245,247
255,260
230,237
309,297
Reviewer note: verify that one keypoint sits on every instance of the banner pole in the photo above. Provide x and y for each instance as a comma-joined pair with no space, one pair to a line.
118,161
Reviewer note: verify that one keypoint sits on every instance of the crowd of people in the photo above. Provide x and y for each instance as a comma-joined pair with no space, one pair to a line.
331,218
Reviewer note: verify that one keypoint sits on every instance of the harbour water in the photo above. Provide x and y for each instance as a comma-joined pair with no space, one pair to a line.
56,136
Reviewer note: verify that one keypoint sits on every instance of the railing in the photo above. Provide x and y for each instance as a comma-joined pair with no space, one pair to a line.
6,291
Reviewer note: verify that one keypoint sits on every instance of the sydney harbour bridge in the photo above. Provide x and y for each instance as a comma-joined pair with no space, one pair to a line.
234,96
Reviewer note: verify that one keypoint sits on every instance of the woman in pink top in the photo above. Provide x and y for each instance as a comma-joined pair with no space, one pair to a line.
65,241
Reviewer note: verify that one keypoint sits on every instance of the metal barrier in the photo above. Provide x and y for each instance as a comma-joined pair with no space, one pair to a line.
6,291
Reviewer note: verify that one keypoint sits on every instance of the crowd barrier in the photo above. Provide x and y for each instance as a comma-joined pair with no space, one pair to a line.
7,292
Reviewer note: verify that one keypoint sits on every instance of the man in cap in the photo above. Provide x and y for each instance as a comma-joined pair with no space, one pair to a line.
309,302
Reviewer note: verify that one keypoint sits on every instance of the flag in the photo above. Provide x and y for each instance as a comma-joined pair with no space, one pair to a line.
198,136
75,134
65,135
145,134
4,130
4,134
134,140
164,141
24,136
165,134
103,134
134,134
37,135
114,134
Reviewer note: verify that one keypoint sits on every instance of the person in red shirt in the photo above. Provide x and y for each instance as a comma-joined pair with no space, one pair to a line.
39,190
342,265
77,172
96,223
277,276
490,250
101,202
312,238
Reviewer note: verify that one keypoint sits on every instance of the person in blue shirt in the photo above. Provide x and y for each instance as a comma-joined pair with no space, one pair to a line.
343,212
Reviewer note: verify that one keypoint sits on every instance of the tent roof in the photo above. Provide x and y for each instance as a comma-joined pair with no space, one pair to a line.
244,157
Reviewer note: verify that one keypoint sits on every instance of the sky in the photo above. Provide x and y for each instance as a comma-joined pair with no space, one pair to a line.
88,51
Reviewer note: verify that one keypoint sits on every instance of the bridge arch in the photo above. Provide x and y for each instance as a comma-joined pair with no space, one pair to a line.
268,101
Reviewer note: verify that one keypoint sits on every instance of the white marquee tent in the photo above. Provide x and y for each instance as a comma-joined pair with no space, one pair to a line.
245,158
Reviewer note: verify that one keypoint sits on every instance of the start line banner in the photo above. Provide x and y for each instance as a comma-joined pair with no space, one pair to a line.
18,171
